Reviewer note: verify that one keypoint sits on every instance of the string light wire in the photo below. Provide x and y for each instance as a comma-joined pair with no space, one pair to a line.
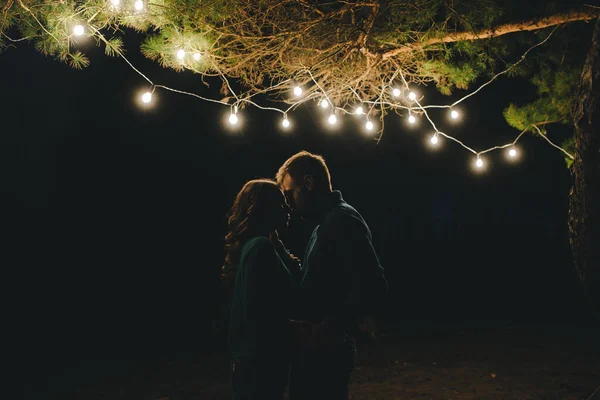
378,101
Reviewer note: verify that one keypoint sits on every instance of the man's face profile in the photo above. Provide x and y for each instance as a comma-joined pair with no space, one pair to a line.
294,192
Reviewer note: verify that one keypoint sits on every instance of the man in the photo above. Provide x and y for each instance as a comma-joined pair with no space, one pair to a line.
342,279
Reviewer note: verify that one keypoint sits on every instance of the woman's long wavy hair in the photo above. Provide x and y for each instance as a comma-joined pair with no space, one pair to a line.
247,217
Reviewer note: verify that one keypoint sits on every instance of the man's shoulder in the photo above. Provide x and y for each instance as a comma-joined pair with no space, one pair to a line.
344,216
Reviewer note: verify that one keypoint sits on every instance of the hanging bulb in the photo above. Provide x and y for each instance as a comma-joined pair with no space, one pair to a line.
396,92
324,103
359,110
369,125
298,91
181,54
332,119
454,114
512,152
434,139
147,97
78,30
479,162
412,95
412,119
197,56
233,119
285,122
139,5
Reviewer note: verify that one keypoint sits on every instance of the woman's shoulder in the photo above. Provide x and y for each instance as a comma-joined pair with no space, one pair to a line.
258,243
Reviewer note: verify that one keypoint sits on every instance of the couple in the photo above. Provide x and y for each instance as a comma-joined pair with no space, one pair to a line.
294,321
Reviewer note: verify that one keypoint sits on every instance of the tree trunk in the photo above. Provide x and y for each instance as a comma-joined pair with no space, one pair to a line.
584,201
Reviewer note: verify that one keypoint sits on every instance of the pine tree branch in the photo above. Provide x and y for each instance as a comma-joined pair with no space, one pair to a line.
530,25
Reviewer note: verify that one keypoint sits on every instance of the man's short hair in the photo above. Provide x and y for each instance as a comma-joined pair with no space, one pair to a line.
305,163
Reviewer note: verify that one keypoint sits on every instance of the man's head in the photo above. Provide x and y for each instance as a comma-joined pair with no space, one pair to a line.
305,180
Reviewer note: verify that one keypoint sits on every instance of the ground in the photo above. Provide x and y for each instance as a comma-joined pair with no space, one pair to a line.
411,360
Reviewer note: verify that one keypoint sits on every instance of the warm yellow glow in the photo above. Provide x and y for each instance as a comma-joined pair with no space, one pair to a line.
139,5
78,30
298,91
324,103
115,2
396,92
454,114
369,125
180,54
479,163
147,97
197,56
512,152
233,119
412,95
434,139
285,122
359,110
412,119
332,119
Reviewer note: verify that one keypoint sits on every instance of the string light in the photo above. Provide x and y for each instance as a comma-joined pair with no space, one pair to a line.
285,122
115,3
147,97
233,119
298,91
197,56
369,125
180,54
78,30
479,162
396,92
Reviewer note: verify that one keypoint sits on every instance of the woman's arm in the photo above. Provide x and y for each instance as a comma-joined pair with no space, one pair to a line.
292,263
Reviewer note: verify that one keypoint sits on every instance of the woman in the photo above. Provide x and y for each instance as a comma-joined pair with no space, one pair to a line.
260,339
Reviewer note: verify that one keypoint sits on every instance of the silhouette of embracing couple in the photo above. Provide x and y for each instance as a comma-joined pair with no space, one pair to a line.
293,322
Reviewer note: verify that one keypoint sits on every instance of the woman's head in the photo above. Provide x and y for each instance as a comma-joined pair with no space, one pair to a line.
259,208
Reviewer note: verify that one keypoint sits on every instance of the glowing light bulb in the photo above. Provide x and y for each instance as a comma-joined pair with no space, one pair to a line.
369,125
412,95
324,103
233,119
298,91
396,92
479,162
139,5
147,97
78,30
359,110
454,114
197,56
434,139
332,119
115,2
512,152
412,119
180,54
285,122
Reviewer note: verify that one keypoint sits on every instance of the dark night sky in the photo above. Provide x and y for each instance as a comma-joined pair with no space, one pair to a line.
114,216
